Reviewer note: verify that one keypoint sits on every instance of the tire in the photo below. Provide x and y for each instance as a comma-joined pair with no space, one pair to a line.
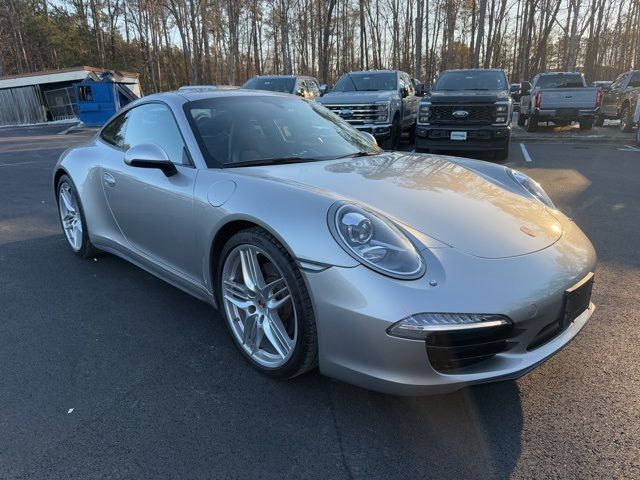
522,118
412,135
626,122
599,121
502,155
72,219
294,317
532,123
393,142
586,123
638,135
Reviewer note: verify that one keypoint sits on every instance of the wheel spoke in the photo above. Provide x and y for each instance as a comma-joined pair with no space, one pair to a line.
65,194
251,271
237,294
277,293
276,334
250,331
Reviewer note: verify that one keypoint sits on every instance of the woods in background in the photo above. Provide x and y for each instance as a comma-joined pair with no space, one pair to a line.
177,42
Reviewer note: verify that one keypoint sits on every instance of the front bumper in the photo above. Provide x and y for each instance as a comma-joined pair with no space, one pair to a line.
478,138
380,131
564,113
355,306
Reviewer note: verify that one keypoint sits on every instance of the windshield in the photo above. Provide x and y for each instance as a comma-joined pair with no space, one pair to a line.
367,82
272,84
471,80
256,129
560,81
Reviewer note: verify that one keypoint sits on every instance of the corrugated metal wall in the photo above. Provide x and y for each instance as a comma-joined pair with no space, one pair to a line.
21,105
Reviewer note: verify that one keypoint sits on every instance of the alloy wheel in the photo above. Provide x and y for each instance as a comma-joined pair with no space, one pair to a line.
259,306
70,216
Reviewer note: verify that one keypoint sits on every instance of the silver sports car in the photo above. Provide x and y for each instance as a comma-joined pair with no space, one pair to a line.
398,272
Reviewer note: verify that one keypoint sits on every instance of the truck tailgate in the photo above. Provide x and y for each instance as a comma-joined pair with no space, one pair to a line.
570,98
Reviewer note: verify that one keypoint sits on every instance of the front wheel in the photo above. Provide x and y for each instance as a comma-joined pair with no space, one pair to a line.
599,121
532,123
638,135
522,119
503,154
266,305
393,142
72,219
626,122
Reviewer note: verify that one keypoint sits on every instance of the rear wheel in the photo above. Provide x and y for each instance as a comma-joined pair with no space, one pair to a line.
626,122
72,219
532,123
638,135
266,305
586,123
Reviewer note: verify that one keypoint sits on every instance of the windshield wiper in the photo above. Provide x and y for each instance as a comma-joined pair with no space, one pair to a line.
270,161
357,154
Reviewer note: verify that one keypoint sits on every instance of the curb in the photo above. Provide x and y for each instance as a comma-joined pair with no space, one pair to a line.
557,139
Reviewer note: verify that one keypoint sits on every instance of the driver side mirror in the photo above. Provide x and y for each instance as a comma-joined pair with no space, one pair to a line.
525,88
404,91
150,155
420,90
324,88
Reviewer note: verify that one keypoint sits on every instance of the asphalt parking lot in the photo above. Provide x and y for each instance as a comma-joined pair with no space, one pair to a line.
107,372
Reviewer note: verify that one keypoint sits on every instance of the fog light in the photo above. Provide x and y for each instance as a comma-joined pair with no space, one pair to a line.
418,326
501,119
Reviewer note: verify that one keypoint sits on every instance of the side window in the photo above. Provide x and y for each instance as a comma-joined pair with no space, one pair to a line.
401,83
314,88
408,83
301,88
113,133
154,123
618,81
635,80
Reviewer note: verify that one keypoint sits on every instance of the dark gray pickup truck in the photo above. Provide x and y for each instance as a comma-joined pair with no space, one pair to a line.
380,102
466,110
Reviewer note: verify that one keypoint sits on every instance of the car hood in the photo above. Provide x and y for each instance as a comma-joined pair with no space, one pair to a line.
357,97
466,96
434,195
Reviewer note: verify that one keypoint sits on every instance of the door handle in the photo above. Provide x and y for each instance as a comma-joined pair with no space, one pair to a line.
108,179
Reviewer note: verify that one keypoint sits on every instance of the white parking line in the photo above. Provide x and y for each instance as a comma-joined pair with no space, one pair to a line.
527,157
14,164
629,148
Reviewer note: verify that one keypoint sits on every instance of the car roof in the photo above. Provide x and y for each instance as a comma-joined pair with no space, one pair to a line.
473,70
374,71
200,95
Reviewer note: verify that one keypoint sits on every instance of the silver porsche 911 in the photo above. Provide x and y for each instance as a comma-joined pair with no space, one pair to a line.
398,272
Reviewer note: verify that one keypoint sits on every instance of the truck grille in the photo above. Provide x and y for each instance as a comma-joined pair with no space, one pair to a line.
356,114
477,114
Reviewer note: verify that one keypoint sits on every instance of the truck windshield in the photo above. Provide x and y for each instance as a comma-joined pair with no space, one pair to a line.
560,81
367,82
272,84
259,130
471,80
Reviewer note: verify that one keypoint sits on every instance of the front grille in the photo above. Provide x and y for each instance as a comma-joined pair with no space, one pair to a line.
477,114
450,350
359,114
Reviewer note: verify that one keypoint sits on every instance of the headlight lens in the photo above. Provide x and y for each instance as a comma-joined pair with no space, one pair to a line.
382,112
531,186
376,242
424,113
501,108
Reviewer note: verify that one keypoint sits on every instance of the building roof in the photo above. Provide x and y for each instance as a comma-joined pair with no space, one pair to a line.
62,75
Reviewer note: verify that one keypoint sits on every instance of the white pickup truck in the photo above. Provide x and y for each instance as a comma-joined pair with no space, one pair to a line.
560,98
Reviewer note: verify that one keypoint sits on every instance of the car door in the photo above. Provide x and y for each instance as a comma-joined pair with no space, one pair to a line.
153,211
610,100
409,103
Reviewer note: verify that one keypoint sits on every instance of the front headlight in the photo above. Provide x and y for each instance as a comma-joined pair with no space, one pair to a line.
424,112
531,186
375,242
382,112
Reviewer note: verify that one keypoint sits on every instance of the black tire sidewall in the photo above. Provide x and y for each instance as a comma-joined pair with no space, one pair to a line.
299,362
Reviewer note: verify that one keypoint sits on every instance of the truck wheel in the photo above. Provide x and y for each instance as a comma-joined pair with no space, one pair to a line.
502,155
638,135
599,121
586,123
626,122
522,118
532,123
393,142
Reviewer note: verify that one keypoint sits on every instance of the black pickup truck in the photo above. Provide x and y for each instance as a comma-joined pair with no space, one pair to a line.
466,110
620,99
